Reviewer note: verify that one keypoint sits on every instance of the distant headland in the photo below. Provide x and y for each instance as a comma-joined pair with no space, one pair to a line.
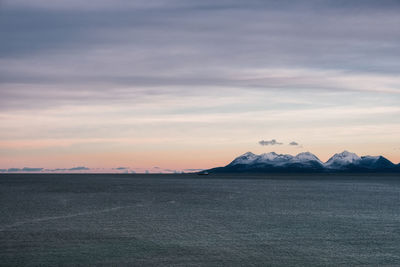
306,162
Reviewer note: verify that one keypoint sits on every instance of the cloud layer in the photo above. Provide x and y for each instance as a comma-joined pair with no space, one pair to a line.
56,54
99,83
124,170
269,143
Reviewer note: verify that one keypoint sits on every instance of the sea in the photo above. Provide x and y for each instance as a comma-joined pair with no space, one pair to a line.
192,220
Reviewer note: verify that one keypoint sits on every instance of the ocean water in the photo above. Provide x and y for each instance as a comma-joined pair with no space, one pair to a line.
190,220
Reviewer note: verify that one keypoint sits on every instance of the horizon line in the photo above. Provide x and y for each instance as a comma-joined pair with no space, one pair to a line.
140,170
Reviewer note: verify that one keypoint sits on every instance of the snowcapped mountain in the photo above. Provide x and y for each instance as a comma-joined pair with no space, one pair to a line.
350,161
273,161
246,158
266,158
306,162
342,160
306,156
376,162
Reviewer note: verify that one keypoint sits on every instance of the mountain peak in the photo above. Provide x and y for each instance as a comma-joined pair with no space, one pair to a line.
268,156
306,161
248,154
377,162
346,153
339,160
306,156
246,158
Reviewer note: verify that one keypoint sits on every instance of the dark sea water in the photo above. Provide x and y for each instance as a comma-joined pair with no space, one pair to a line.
189,220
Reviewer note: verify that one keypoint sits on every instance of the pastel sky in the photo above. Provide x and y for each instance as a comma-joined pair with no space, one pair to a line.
188,84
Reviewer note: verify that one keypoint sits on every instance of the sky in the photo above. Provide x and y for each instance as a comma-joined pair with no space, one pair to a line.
172,85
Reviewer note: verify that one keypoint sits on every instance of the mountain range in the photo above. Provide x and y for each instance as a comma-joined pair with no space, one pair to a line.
307,162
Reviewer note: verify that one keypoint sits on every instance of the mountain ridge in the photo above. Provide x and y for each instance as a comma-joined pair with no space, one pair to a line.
306,162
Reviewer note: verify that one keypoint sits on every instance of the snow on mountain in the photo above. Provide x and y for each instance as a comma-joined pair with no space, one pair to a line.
342,160
265,157
306,156
370,160
306,161
274,159
376,162
246,158
373,158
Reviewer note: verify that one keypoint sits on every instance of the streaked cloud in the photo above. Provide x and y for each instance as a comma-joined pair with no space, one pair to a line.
25,169
81,168
193,170
269,143
84,79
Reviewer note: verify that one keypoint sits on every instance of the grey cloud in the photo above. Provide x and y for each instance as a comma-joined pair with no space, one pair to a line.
269,143
25,169
293,143
80,168
14,170
78,30
84,5
32,169
207,44
193,170
205,4
121,168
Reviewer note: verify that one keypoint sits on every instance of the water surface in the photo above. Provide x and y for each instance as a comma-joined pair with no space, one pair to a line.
189,220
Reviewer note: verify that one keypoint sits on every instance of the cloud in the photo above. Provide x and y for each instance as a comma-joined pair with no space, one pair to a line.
121,168
25,169
121,48
193,170
168,171
138,65
32,169
14,170
293,143
269,143
80,168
